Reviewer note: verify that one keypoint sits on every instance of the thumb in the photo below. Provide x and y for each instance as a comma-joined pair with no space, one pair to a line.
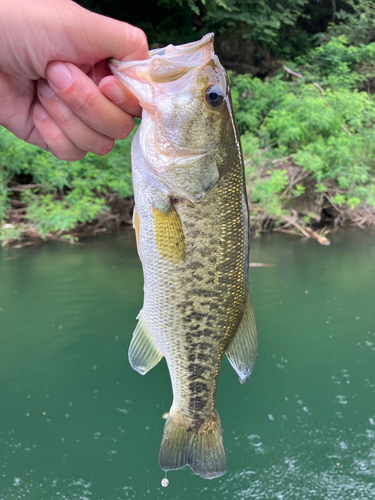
38,32
79,36
98,37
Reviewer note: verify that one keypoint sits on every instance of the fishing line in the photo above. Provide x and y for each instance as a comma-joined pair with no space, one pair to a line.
164,481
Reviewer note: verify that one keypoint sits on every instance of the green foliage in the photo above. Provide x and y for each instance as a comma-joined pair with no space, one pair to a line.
258,20
320,120
272,24
266,190
264,182
337,63
64,193
328,133
4,203
49,215
358,24
298,190
253,99
10,232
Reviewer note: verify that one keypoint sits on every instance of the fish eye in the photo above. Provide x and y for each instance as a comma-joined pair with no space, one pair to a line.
214,96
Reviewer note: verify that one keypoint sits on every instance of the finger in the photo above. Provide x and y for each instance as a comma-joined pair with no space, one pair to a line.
101,37
96,71
120,95
83,136
35,138
80,94
55,139
99,71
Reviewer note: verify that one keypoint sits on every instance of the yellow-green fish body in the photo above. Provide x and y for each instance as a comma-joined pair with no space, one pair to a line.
192,228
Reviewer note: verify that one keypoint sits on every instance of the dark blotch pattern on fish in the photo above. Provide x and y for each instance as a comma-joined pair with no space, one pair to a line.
196,371
197,386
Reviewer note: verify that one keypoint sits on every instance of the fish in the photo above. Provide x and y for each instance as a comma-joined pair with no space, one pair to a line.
192,229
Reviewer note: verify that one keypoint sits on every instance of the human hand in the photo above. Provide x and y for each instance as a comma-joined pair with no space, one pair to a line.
55,88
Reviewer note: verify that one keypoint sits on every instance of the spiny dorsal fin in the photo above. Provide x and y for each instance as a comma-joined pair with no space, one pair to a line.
169,236
143,353
136,227
242,351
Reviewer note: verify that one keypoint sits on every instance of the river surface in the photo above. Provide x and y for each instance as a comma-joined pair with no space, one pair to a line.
76,422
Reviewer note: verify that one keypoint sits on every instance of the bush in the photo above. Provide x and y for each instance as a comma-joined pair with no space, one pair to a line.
357,24
55,195
328,132
338,64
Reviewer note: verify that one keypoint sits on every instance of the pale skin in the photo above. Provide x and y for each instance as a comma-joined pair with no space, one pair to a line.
56,90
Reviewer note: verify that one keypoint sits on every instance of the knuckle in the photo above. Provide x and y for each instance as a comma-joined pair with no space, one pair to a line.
62,116
85,103
54,136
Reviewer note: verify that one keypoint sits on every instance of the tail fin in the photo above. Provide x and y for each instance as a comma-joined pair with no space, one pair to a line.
201,448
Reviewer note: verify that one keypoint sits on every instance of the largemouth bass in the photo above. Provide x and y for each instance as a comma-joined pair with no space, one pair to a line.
192,227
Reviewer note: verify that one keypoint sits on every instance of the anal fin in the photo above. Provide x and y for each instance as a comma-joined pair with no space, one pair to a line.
143,353
242,351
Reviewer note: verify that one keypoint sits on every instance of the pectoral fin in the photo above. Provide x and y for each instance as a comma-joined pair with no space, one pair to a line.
143,353
242,351
169,236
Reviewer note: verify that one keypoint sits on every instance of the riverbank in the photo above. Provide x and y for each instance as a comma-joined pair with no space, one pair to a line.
118,216
309,149
47,199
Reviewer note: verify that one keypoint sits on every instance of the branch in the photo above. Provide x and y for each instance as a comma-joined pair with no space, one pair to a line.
23,187
291,72
347,130
293,223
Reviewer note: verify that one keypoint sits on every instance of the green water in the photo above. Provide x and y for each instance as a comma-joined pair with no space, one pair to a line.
76,422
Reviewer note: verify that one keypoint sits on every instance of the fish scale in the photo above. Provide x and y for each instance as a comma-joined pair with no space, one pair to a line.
192,229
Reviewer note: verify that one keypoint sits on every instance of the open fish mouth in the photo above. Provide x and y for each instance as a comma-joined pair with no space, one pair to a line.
180,132
166,66
182,58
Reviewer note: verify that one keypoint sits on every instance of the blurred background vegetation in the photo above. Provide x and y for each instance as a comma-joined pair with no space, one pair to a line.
303,81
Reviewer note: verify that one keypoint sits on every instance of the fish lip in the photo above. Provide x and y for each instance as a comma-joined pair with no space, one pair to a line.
174,50
184,48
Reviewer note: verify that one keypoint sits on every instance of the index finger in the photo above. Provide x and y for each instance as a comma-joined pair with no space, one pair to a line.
112,88
80,94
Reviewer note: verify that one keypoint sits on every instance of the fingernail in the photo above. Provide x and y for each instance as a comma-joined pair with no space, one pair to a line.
126,130
40,113
59,75
114,93
107,147
45,90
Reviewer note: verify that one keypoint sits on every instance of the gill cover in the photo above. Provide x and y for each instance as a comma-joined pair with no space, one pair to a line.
184,94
